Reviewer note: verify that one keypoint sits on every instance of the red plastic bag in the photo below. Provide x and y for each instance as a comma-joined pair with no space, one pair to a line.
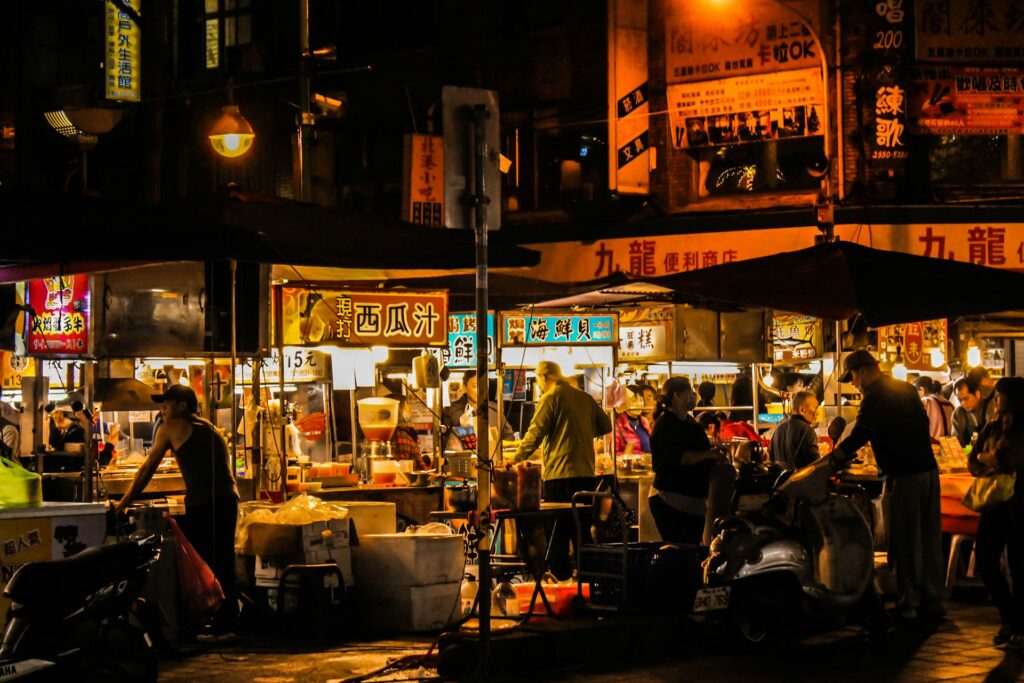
200,589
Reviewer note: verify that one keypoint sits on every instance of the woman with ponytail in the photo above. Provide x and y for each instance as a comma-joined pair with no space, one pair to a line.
683,463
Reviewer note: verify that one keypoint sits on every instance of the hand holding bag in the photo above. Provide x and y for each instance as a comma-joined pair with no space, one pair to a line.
990,490
200,590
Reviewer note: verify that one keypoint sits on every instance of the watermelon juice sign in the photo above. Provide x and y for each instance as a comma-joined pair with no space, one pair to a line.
59,324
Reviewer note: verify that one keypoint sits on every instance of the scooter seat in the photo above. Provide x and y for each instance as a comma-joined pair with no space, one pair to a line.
40,585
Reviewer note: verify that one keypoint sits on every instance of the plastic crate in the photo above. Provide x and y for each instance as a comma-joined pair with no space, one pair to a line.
658,574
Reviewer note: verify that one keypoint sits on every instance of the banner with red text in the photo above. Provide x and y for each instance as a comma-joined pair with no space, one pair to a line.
1000,245
59,324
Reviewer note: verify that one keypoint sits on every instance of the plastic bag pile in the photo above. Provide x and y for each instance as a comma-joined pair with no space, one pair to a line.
302,509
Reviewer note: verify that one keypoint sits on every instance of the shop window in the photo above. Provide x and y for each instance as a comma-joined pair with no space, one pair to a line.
552,169
978,165
771,166
227,23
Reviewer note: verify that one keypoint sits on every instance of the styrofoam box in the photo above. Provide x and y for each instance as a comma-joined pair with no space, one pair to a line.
408,608
369,517
408,559
269,568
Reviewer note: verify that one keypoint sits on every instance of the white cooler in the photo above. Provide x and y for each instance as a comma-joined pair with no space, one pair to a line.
408,608
408,559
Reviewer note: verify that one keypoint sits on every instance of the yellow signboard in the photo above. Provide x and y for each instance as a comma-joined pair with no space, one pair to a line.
123,58
13,368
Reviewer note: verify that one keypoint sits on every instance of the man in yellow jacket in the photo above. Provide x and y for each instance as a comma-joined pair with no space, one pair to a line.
564,426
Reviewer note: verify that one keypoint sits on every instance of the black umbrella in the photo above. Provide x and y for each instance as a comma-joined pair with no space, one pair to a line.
840,279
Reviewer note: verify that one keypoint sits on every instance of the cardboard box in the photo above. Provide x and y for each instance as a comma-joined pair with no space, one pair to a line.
295,539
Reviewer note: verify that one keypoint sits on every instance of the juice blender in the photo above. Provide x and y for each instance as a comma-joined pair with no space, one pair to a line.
378,418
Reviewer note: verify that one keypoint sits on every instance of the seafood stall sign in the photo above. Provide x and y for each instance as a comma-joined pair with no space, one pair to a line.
562,329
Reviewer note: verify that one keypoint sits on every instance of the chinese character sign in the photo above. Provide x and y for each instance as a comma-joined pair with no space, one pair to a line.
965,31
746,108
967,101
423,184
123,53
59,325
300,365
643,342
795,337
914,342
717,42
564,329
363,318
461,351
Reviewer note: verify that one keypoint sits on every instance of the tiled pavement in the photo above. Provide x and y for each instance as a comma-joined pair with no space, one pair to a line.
958,649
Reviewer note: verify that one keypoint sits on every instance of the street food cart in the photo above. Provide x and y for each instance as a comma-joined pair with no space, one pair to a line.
358,331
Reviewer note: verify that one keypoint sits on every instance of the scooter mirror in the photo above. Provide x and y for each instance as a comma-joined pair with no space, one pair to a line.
836,428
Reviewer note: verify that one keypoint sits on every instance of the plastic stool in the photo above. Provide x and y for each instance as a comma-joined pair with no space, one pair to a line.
320,598
955,547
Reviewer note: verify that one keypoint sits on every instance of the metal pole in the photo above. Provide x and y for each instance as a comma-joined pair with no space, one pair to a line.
837,369
234,362
483,452
88,373
281,454
305,128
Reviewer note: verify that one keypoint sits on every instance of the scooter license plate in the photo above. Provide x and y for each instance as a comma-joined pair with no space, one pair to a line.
711,599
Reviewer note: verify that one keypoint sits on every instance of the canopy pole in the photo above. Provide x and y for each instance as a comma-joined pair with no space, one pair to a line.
478,214
234,362
837,368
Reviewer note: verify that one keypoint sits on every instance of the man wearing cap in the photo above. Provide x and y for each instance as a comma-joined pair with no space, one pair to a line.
564,426
63,429
211,498
893,419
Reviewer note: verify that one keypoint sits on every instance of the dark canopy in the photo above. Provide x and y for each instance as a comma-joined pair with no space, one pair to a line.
505,291
840,279
44,231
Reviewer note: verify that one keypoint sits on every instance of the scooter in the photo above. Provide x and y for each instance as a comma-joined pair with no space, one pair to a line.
82,617
806,555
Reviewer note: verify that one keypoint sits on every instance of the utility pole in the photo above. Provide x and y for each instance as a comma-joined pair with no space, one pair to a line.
305,121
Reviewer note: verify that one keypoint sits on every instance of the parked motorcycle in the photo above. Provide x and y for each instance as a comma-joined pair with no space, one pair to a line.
807,555
82,618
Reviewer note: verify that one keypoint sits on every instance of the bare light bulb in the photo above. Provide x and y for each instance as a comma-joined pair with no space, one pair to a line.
973,354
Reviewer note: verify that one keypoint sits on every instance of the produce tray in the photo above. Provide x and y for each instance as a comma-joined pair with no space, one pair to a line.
338,482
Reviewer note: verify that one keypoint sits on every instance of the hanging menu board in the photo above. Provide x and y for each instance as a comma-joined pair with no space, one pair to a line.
559,329
354,318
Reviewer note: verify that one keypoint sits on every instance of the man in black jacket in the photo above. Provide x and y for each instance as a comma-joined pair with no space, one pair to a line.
892,418
795,443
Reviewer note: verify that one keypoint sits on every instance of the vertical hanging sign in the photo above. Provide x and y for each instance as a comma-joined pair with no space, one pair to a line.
629,156
123,53
890,41
423,182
